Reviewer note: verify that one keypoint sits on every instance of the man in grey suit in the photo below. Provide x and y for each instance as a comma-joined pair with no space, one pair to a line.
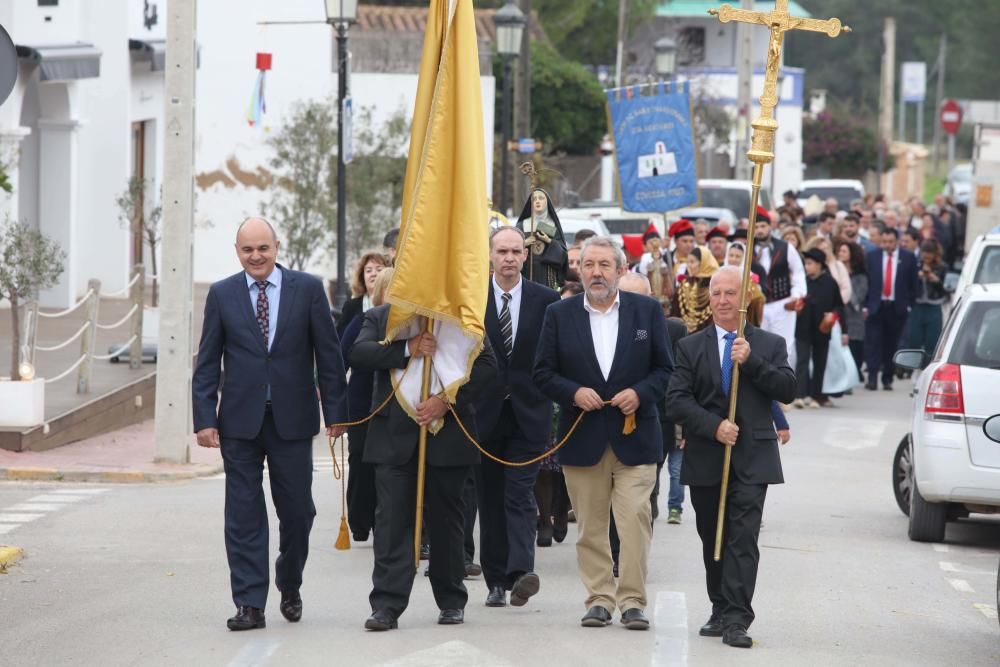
271,329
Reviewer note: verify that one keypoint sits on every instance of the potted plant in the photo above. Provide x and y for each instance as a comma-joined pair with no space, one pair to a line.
29,262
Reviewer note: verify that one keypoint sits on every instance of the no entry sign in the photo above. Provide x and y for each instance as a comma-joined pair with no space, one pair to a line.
951,116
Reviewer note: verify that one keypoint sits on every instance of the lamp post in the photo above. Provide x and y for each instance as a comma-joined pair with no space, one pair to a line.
666,57
509,22
341,14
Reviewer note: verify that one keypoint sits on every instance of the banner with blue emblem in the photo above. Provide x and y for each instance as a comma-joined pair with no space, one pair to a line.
654,147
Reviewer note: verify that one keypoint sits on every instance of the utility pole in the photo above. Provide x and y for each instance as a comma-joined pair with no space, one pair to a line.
173,368
620,53
885,106
942,53
522,102
744,37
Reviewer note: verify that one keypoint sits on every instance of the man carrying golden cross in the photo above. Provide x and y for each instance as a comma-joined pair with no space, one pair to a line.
707,379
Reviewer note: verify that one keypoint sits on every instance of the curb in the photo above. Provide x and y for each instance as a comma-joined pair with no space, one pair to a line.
9,556
106,476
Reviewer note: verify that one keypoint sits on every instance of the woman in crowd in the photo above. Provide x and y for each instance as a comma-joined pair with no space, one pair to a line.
853,257
692,296
926,316
813,328
841,371
792,235
362,280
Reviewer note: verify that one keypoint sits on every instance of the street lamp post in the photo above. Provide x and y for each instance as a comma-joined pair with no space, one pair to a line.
509,22
666,57
341,14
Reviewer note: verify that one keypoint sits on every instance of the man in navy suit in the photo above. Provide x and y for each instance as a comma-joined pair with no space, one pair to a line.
515,419
608,346
892,290
271,329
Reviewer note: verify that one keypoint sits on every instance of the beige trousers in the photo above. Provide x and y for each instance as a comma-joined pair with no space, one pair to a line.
594,491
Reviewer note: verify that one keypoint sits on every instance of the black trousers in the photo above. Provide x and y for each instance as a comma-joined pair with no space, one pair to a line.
471,508
360,483
817,349
289,465
392,577
507,509
858,352
731,581
882,333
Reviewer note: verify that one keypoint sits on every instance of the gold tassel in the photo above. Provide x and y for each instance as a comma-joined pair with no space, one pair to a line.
629,424
344,536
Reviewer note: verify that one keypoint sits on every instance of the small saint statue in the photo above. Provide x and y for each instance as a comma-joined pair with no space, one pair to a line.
544,240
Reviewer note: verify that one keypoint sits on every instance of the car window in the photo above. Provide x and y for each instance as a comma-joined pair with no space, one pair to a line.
626,225
946,332
978,340
988,270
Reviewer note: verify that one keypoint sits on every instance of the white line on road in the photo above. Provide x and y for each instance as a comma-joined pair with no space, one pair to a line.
670,626
941,548
36,507
11,517
855,434
948,567
955,567
52,498
987,610
961,585
7,527
255,652
455,653
83,492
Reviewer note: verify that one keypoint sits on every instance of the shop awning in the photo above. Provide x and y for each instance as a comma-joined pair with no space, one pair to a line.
63,62
152,50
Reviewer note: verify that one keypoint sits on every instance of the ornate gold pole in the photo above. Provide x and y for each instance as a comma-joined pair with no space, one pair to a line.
425,391
761,153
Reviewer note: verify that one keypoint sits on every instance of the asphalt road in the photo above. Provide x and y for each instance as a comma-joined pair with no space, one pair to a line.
136,575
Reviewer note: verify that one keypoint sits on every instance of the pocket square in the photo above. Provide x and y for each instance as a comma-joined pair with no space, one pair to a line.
641,334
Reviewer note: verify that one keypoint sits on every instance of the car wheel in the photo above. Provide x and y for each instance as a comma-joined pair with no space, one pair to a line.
902,475
927,520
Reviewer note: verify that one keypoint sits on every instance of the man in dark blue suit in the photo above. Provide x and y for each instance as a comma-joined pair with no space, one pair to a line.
608,346
892,289
271,329
515,419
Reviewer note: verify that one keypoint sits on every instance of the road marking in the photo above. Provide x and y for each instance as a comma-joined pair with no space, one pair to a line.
36,507
989,611
77,492
52,498
955,567
453,653
855,434
948,567
7,527
961,585
255,652
12,517
941,548
670,628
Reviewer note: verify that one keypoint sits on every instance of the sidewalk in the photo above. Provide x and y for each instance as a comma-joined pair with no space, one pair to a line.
125,455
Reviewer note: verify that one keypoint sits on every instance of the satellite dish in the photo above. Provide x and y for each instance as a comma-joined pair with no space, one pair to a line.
8,65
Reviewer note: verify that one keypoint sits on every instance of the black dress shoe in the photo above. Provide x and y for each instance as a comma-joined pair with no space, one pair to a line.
247,618
473,569
360,537
380,621
544,536
559,530
596,617
451,617
887,387
634,619
497,597
871,387
524,587
291,606
737,637
712,627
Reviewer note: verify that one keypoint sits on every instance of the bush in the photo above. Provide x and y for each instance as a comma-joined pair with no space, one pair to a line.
842,143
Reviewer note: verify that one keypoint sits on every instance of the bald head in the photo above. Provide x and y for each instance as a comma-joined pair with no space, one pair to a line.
636,283
257,247
256,226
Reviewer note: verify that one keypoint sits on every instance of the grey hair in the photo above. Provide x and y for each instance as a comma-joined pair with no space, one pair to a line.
274,234
503,228
725,270
604,242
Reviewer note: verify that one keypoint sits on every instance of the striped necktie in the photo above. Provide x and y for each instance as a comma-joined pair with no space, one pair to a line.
506,329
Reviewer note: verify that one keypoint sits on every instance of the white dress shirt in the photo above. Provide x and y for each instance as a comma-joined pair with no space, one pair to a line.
515,304
273,292
604,330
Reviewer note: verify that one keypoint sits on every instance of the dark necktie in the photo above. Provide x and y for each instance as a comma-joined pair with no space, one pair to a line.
263,309
506,329
727,363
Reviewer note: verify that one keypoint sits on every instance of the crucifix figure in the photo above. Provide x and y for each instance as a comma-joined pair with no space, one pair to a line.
761,152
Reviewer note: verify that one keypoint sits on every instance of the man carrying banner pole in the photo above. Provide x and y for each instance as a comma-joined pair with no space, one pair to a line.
428,346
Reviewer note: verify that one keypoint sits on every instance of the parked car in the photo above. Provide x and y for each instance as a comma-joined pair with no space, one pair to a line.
959,183
844,190
731,194
946,467
991,429
571,226
981,265
713,215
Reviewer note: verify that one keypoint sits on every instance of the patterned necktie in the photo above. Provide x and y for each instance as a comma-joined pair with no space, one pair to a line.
263,309
506,329
727,363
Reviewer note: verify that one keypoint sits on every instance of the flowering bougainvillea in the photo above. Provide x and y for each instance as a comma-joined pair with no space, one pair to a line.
841,143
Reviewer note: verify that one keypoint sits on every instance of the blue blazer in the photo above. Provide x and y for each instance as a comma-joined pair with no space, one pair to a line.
305,349
532,408
566,361
905,279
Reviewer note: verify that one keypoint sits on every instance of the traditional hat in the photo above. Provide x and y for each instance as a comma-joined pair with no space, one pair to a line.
738,234
717,232
650,233
681,228
816,255
762,213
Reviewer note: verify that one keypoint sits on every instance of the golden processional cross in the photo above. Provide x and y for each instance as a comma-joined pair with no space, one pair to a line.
761,153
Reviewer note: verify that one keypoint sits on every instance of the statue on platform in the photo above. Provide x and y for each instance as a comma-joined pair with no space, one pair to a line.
544,240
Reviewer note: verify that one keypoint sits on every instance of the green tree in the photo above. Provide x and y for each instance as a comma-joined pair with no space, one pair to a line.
586,31
567,103
5,183
29,261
